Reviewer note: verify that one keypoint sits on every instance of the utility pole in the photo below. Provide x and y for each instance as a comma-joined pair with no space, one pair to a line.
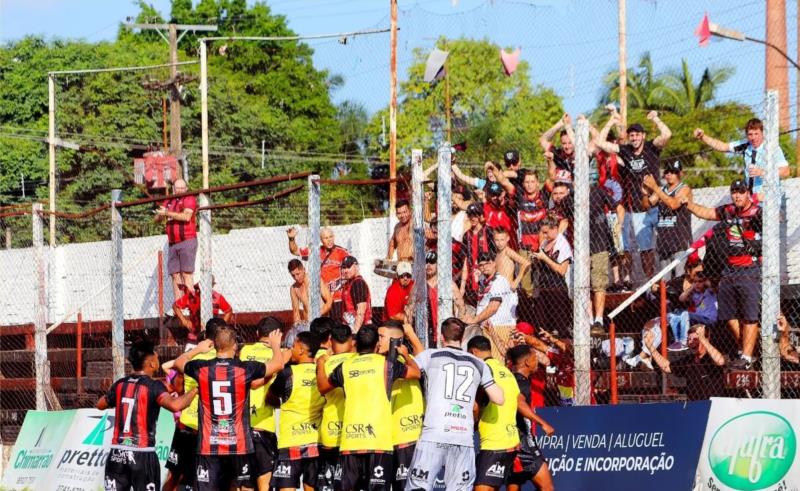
777,72
173,85
797,109
623,70
393,110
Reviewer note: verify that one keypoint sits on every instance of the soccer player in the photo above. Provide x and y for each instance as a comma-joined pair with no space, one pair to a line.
262,415
295,392
224,435
322,327
330,432
408,405
366,379
183,452
497,427
529,464
136,398
452,378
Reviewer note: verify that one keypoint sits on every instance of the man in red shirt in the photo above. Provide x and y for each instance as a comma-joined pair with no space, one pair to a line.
499,209
190,300
356,300
179,214
395,305
331,257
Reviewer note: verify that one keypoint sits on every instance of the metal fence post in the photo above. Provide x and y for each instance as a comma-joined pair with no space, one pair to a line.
581,300
40,362
314,260
420,283
444,242
117,291
204,246
770,279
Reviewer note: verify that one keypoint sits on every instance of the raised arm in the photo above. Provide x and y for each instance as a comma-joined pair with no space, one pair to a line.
717,357
175,404
203,347
291,234
524,266
472,181
600,140
698,210
662,362
500,176
712,142
547,136
327,299
664,133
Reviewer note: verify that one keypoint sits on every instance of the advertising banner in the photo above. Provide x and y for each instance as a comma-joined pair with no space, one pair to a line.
655,446
67,450
750,444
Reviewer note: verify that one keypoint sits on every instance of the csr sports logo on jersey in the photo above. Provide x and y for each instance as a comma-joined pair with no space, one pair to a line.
360,431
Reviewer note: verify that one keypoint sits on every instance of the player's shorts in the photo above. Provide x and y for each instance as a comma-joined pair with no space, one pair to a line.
287,473
494,467
526,465
216,472
265,456
403,455
430,457
641,227
183,455
366,471
132,469
329,469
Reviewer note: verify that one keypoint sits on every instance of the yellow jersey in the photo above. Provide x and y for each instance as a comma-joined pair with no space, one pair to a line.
330,432
498,424
189,415
408,408
262,415
301,405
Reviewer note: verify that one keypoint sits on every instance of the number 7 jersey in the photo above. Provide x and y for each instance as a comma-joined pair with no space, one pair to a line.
224,409
451,379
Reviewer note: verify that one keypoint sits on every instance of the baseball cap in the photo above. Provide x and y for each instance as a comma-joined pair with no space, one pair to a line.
494,189
636,128
485,256
474,209
430,257
674,166
403,267
563,175
349,261
511,157
739,185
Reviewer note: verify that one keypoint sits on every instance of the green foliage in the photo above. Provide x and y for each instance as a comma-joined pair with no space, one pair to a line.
257,91
490,111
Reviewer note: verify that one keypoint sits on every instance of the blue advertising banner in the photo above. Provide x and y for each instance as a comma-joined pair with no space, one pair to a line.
655,446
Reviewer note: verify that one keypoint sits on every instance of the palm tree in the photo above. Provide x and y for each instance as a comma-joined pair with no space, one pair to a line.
644,86
682,96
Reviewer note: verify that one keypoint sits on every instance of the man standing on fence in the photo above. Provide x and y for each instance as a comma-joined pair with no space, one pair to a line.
179,214
298,292
331,257
739,294
191,302
674,220
137,399
753,149
402,237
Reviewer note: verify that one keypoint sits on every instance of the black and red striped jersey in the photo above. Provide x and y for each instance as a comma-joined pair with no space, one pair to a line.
223,413
135,400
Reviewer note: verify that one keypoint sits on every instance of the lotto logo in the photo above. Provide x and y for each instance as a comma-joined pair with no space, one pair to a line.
202,474
496,470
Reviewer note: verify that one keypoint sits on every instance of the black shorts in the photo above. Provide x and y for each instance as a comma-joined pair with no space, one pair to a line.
183,455
132,469
739,295
266,452
329,471
366,471
287,473
494,467
216,472
526,465
402,462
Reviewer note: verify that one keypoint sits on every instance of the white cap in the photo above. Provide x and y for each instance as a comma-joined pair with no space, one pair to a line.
403,267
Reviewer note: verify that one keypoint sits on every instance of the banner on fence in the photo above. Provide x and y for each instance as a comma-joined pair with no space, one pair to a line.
59,450
655,446
750,444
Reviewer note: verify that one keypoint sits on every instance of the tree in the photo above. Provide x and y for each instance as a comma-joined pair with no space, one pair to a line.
681,96
645,88
491,112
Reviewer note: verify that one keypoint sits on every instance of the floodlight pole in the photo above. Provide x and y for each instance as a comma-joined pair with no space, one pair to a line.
51,145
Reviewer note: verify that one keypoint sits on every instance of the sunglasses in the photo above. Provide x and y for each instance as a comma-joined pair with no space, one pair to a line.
405,275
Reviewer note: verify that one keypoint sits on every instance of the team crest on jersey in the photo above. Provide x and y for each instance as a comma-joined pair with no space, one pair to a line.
202,474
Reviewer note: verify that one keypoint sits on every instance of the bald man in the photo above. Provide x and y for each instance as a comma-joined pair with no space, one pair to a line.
179,214
331,257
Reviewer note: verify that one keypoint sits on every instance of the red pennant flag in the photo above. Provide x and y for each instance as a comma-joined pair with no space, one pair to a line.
703,31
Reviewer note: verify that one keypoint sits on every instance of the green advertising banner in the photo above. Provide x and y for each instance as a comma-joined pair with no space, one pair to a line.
60,450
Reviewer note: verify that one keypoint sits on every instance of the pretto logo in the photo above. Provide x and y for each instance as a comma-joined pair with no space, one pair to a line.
752,451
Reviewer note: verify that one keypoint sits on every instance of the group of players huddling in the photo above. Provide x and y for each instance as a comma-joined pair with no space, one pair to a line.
371,410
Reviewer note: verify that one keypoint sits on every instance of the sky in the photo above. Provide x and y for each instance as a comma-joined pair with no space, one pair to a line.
569,44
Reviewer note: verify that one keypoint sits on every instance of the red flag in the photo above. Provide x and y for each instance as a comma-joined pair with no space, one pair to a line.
703,31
